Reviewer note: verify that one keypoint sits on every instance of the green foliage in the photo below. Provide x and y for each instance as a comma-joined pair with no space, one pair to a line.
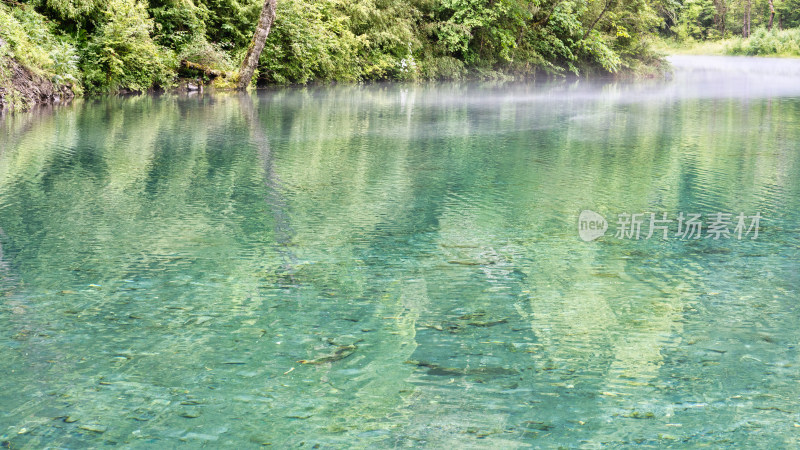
126,44
341,40
178,22
19,43
309,41
480,32
73,14
701,20
31,40
631,25
230,23
201,51
66,64
696,20
122,55
788,13
560,40
386,36
763,42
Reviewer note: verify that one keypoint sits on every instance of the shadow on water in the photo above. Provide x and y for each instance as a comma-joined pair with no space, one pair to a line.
277,204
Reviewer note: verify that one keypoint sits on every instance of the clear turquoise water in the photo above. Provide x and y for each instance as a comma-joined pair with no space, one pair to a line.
167,261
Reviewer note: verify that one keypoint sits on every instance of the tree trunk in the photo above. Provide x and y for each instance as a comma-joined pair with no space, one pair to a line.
771,15
282,231
257,45
719,16
749,10
591,27
209,72
746,20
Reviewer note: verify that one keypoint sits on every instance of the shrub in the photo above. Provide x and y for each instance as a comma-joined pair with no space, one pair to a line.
20,46
31,40
231,22
178,24
763,42
73,15
200,51
310,41
122,54
696,20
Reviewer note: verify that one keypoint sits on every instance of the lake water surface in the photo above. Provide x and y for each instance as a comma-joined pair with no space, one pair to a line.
166,263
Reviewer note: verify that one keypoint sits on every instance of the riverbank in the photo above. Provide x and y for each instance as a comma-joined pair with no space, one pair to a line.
22,90
775,43
135,46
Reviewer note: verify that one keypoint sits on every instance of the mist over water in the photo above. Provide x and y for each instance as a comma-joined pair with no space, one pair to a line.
400,265
735,77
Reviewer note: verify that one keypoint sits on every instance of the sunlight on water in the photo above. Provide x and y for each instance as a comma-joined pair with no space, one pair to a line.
399,265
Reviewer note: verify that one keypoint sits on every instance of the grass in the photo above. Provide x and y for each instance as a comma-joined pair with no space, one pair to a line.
690,47
775,43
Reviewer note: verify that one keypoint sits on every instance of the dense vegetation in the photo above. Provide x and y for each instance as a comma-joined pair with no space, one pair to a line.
715,19
738,27
113,45
109,45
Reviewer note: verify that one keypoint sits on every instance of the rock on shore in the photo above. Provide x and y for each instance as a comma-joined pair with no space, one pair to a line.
21,89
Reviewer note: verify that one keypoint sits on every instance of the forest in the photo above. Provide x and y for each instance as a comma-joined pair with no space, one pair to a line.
111,46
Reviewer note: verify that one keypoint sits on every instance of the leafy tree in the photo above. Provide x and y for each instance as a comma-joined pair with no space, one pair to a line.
250,60
31,39
122,55
73,15
178,22
230,22
787,13
128,44
310,42
696,20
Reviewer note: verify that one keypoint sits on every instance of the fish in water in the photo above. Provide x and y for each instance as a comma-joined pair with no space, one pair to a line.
341,352
436,369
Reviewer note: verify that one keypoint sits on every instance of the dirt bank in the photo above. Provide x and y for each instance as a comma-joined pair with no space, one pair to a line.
21,90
